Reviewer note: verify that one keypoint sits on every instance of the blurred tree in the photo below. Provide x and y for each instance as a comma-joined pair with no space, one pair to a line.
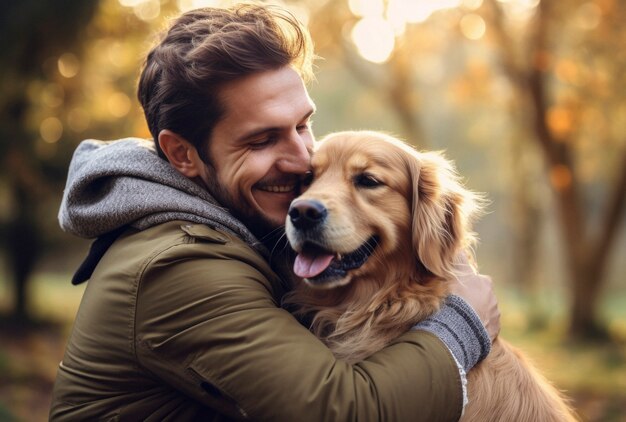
34,34
563,73
563,60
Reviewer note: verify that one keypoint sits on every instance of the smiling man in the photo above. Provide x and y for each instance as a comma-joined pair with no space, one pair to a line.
181,318
259,149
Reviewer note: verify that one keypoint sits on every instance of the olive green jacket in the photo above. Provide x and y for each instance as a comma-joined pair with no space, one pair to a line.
182,322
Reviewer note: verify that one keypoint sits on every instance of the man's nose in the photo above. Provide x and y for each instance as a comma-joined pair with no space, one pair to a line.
296,154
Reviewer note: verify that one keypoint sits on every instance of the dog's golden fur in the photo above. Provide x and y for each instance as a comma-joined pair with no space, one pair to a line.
415,205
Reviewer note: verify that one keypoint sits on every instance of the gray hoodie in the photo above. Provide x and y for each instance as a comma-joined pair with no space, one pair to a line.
125,183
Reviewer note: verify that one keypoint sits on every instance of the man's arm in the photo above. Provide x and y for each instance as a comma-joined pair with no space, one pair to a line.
210,327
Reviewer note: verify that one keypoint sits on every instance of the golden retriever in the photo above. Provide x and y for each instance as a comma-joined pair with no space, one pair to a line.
376,235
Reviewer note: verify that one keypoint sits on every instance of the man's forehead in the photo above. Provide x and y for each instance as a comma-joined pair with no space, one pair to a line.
263,85
260,101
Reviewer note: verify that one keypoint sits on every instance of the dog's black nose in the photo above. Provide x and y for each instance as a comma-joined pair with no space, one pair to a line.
307,213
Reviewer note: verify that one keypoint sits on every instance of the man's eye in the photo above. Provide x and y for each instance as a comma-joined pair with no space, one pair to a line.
304,127
262,142
366,180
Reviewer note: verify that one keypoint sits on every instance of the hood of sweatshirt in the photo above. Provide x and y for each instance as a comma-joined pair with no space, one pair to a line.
111,184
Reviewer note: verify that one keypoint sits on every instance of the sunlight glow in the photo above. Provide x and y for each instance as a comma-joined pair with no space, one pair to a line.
527,3
186,5
416,11
366,8
130,3
472,4
374,39
410,11
473,26
147,10
374,35
396,16
519,10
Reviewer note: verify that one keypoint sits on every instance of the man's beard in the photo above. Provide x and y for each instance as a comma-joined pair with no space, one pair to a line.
272,236
266,231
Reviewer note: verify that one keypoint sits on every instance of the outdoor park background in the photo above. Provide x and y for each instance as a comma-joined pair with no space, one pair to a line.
527,97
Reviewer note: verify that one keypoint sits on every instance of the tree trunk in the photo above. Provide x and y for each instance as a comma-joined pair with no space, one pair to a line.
23,250
583,319
589,273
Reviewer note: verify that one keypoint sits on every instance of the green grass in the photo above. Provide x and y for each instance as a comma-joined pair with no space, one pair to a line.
52,297
593,374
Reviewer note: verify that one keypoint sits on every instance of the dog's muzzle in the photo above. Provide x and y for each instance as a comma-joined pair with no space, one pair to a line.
316,261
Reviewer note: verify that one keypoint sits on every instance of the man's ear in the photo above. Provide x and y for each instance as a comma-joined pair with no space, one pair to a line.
181,154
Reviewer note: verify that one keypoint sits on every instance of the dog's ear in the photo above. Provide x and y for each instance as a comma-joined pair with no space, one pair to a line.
442,212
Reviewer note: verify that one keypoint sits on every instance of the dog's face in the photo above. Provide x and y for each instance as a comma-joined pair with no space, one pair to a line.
373,198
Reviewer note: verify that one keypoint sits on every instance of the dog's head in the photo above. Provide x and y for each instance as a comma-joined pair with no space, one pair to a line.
374,198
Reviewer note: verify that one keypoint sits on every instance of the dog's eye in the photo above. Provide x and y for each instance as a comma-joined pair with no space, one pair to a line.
366,180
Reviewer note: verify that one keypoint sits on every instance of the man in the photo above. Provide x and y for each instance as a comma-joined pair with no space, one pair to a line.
181,317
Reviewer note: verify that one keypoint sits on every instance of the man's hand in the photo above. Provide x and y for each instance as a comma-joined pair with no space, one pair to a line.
477,291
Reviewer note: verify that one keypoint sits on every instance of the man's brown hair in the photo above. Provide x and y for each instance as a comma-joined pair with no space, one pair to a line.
205,48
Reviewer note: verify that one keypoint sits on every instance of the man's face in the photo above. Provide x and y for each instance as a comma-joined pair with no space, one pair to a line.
261,148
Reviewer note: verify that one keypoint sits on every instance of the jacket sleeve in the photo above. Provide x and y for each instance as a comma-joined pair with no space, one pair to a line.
207,324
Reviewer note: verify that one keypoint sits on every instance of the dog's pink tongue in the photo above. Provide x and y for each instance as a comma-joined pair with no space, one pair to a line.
308,266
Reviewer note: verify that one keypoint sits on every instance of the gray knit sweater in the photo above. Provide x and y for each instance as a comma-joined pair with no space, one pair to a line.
125,183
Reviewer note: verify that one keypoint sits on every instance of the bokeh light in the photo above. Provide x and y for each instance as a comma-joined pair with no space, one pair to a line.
519,11
120,56
374,39
51,129
185,5
366,8
472,4
119,104
68,65
560,121
130,3
374,34
148,10
416,11
473,26
588,16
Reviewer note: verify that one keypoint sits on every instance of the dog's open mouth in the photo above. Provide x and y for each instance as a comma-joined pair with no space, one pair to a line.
320,266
